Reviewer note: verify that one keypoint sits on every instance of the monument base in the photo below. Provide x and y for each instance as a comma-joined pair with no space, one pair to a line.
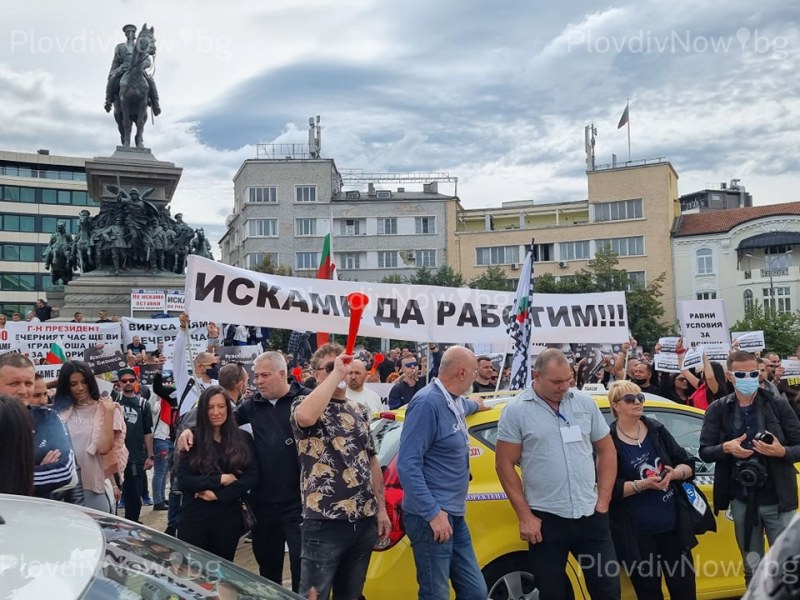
98,291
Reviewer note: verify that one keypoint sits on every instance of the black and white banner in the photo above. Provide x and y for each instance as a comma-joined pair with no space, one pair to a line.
398,311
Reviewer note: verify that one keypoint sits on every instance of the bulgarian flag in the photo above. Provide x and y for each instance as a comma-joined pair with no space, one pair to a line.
327,270
56,355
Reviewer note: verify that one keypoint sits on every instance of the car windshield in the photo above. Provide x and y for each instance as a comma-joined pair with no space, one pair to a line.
386,436
142,563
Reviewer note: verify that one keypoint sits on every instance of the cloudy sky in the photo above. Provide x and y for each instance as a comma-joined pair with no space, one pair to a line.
494,93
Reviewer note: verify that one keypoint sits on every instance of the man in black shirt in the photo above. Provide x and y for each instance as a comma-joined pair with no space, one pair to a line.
409,384
138,441
483,378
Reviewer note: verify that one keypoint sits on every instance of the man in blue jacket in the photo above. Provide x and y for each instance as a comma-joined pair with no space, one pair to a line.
53,456
433,464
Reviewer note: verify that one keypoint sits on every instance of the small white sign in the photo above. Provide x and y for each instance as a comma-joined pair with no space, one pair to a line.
147,300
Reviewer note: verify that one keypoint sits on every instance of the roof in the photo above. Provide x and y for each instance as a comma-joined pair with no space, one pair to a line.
721,221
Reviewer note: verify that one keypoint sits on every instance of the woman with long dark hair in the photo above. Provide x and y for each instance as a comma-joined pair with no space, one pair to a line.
214,476
97,429
16,447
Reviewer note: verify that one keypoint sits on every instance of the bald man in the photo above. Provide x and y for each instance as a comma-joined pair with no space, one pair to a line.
433,464
356,390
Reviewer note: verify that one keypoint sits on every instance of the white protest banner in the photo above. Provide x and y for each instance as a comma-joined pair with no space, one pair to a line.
34,339
668,344
148,299
704,322
176,300
693,359
667,362
152,331
791,371
6,340
398,311
750,341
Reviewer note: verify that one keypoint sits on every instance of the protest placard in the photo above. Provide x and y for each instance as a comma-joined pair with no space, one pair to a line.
750,341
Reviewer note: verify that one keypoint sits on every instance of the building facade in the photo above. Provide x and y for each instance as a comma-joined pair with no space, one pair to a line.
36,190
630,208
740,255
283,208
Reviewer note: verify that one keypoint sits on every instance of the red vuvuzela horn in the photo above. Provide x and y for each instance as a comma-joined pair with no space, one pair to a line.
297,373
357,303
375,362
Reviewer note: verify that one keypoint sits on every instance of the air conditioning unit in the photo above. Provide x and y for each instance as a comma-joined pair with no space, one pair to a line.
383,194
563,264
514,266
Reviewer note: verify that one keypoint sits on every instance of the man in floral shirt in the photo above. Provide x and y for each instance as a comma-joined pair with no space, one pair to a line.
341,482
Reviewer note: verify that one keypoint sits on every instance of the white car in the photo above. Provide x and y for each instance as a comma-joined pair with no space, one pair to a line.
51,550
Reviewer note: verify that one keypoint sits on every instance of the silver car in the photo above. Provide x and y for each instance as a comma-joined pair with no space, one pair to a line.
51,550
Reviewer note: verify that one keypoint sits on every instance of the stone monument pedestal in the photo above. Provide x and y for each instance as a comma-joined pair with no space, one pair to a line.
132,167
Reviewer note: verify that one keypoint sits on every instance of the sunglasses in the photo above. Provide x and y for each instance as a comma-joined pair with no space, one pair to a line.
745,374
127,380
329,367
632,398
410,364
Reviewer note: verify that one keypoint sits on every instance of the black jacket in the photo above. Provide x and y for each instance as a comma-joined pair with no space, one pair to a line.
774,415
624,529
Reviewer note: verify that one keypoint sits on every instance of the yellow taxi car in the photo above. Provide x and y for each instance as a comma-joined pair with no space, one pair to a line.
502,556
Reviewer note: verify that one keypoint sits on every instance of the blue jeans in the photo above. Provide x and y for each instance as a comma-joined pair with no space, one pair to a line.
162,464
335,555
440,563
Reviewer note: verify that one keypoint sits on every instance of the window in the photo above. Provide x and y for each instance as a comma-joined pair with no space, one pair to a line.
425,258
306,260
350,227
778,298
350,260
306,193
20,252
497,255
262,227
574,250
305,227
49,196
618,211
387,226
23,223
14,282
12,193
748,300
80,198
256,259
543,252
706,295
628,246
64,197
424,225
636,281
387,259
263,194
705,261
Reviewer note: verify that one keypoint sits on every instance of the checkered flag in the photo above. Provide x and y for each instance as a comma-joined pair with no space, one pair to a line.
519,328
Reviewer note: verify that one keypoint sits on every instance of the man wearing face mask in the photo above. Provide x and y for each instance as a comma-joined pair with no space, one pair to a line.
643,375
754,439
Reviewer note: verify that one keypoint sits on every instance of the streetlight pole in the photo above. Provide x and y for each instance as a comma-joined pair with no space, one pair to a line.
768,265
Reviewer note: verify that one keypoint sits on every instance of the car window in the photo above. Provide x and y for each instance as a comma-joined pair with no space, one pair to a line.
486,433
386,437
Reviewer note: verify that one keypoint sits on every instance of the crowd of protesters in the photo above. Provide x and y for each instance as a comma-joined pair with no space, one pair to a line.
296,454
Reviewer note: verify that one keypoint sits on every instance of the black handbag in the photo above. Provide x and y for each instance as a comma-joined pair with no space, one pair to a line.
697,508
248,516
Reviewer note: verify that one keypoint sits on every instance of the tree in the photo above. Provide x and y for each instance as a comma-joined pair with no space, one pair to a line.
267,266
780,329
494,278
645,311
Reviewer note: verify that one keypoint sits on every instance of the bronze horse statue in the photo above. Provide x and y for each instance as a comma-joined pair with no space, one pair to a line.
130,105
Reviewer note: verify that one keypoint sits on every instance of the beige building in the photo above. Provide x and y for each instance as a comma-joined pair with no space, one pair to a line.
631,208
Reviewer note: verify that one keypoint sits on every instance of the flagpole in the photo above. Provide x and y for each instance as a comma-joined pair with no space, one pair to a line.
628,110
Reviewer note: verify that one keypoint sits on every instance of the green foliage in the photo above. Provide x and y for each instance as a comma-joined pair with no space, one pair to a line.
781,329
268,267
494,278
645,312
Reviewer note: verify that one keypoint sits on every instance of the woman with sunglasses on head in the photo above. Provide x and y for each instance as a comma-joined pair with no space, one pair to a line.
214,476
96,427
650,525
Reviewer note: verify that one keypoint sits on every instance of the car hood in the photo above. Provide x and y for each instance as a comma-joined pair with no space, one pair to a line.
46,550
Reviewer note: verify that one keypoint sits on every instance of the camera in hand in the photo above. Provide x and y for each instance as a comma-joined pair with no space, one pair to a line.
751,473
764,436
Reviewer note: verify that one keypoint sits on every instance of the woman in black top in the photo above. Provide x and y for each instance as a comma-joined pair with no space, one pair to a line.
650,523
214,476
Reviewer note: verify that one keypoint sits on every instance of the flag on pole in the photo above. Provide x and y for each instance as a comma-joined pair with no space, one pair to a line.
327,270
56,355
520,326
623,120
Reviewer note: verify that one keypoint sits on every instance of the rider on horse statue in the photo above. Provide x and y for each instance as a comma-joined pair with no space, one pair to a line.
121,64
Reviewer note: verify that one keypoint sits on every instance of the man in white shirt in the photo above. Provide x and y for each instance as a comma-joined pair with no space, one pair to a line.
356,390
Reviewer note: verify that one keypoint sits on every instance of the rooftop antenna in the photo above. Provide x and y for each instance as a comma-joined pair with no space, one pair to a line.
314,137
589,134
